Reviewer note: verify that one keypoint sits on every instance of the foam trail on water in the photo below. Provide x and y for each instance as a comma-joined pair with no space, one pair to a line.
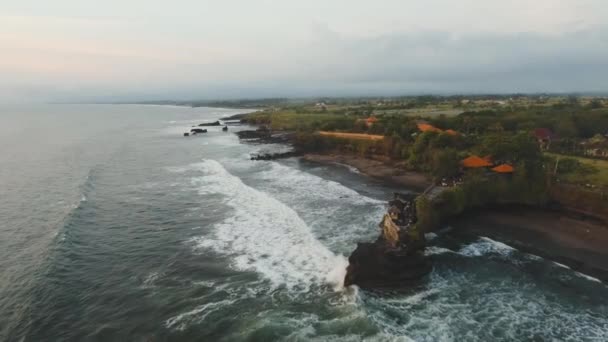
588,277
349,168
265,235
181,321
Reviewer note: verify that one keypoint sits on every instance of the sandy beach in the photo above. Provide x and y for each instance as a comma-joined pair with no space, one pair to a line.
378,169
576,242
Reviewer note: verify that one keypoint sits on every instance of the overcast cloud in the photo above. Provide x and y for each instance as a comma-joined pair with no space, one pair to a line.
135,49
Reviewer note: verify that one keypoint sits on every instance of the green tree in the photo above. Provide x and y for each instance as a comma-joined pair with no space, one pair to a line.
565,128
445,163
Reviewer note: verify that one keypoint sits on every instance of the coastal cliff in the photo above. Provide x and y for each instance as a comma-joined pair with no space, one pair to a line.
397,257
384,263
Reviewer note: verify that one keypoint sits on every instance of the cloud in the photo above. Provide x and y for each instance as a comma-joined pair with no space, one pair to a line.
264,48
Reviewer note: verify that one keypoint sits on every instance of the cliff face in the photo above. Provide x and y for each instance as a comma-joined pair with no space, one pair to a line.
577,200
373,265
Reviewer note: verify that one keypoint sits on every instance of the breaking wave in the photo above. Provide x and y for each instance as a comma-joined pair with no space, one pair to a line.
486,246
264,235
291,181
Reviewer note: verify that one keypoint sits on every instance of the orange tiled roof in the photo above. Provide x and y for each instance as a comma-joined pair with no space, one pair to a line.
424,127
503,168
475,162
451,132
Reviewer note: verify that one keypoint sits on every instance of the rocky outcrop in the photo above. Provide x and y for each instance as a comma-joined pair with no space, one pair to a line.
397,257
374,265
198,130
208,124
274,156
265,136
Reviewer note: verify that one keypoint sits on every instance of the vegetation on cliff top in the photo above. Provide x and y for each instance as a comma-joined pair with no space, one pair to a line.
542,138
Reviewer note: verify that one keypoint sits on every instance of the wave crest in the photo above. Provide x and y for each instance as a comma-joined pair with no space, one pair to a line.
265,235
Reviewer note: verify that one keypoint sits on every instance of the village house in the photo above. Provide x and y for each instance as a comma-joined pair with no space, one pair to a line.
596,147
475,162
426,127
544,136
371,121
321,106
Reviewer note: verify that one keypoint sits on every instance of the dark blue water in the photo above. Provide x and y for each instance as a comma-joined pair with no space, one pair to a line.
116,228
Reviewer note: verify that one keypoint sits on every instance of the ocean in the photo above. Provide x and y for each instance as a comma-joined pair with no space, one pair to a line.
115,227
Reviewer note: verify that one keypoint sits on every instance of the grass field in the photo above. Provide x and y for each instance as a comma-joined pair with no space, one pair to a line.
290,120
597,176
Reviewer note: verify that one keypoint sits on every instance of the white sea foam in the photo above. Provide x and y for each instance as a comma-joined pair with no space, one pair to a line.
441,313
486,246
181,321
435,250
349,167
300,182
150,280
323,204
266,236
560,265
430,236
588,277
533,257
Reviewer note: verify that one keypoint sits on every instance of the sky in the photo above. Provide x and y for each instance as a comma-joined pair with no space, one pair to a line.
84,50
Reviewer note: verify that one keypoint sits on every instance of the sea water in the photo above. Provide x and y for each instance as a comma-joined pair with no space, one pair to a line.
115,227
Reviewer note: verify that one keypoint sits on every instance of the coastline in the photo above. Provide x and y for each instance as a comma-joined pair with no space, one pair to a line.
560,236
576,242
389,174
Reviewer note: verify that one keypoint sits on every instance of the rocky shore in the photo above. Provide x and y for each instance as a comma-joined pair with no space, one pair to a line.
576,240
264,136
573,240
396,259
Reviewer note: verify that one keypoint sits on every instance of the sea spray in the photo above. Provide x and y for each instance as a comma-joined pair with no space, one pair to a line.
336,275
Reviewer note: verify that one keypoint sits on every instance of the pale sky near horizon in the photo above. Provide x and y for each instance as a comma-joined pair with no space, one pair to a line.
74,50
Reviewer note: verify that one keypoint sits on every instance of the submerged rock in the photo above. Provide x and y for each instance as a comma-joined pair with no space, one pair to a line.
274,156
198,130
215,123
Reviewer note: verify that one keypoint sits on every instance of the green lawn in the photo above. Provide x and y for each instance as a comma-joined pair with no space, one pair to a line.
597,173
290,120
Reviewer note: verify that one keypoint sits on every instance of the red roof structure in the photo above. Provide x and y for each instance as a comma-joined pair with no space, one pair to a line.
425,127
543,133
473,162
503,168
371,120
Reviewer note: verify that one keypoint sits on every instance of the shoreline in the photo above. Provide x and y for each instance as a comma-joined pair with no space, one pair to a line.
557,236
560,236
387,173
